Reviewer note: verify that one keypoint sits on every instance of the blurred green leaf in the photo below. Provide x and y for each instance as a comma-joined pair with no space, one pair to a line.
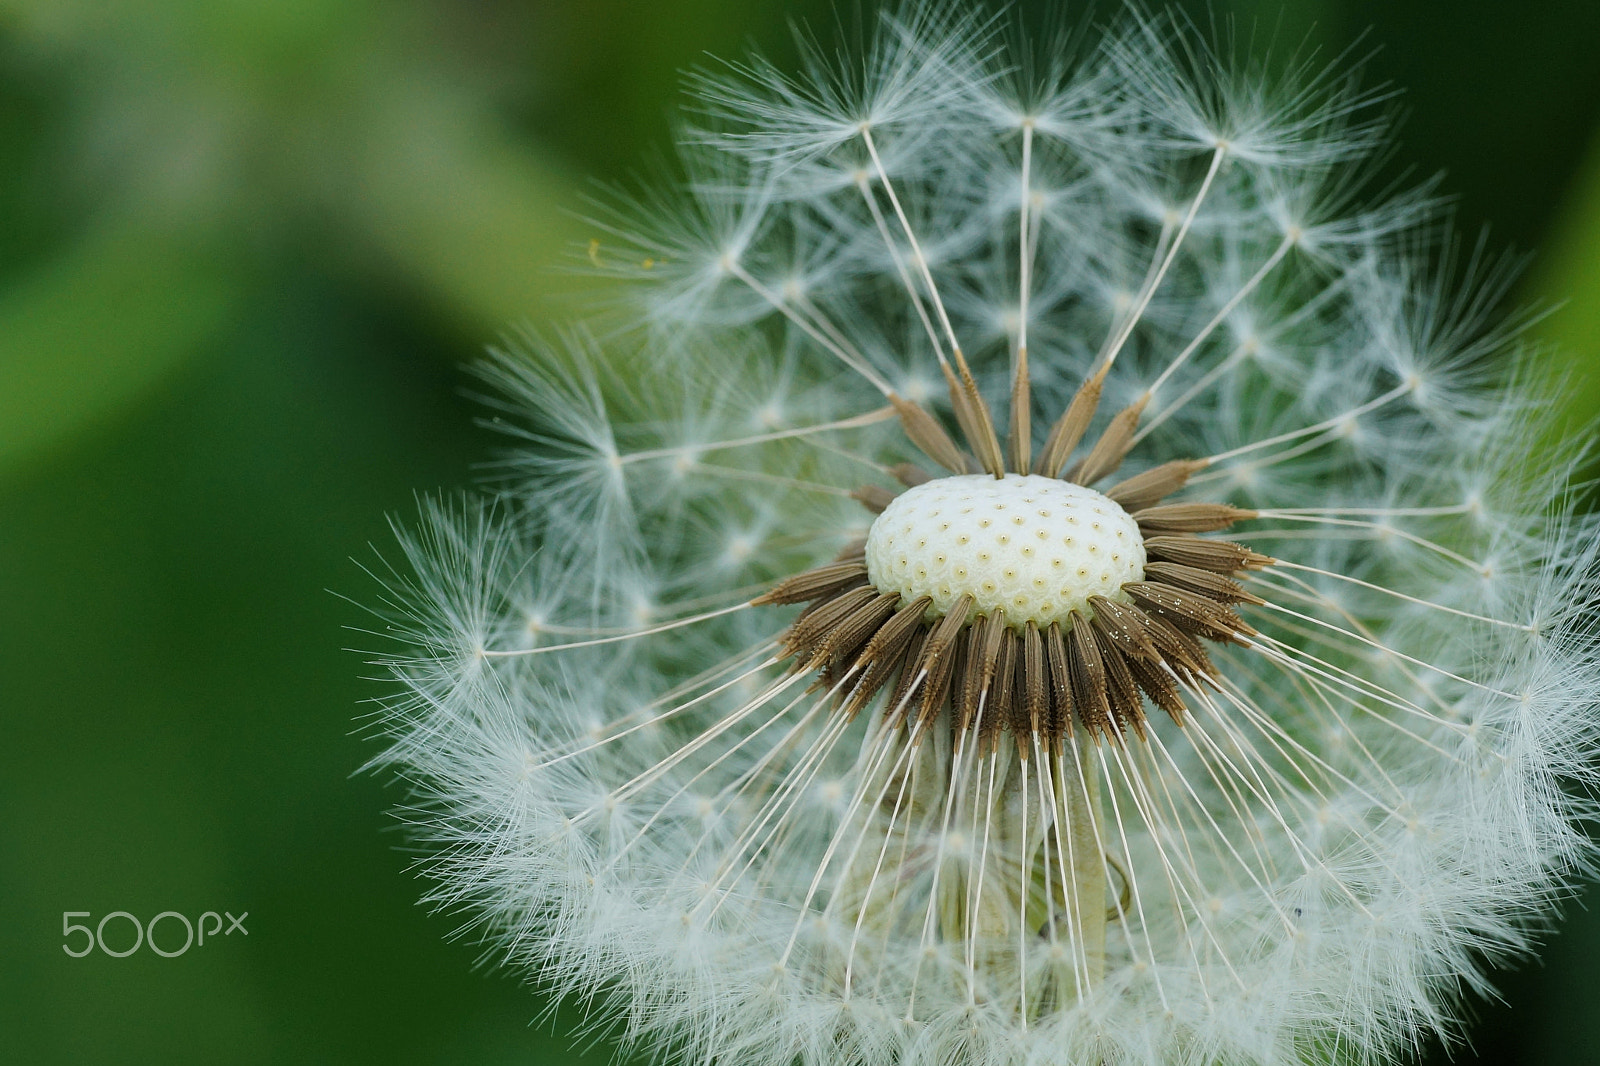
478,223
1569,281
93,330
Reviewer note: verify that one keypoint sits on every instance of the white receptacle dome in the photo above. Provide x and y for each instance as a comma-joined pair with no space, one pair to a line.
1038,547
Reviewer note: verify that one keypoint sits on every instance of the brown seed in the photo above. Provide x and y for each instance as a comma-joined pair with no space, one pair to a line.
1069,428
1212,586
814,583
1062,706
1124,625
923,430
1088,678
1189,517
854,630
938,658
983,658
1179,650
1218,556
883,652
987,446
1122,693
805,638
998,714
1147,489
1207,616
1112,447
1035,683
1018,719
899,704
972,415
1159,686
910,474
1021,442
874,498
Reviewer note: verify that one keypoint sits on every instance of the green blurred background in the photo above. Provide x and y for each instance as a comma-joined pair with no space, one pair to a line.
248,245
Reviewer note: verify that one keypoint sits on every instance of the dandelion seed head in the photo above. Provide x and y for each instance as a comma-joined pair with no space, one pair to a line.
1043,574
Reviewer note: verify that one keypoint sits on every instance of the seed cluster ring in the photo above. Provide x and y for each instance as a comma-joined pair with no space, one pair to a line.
993,673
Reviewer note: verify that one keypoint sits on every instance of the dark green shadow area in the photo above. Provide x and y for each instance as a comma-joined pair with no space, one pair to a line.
180,708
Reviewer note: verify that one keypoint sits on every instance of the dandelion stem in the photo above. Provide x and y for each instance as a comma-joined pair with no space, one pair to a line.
1372,527
782,307
916,247
872,417
971,410
900,269
1403,596
1216,320
1149,290
662,628
1321,427
1021,402
1205,382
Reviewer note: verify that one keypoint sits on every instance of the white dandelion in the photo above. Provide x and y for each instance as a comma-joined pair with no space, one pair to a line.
1046,576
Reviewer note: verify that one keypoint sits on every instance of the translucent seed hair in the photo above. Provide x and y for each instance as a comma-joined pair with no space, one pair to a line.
1037,569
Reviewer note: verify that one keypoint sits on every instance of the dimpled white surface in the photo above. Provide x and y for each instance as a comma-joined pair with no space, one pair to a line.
1036,546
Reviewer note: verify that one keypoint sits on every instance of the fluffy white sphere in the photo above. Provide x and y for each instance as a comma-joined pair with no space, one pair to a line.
1367,759
1036,547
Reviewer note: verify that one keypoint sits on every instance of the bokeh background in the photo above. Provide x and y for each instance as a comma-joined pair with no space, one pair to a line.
246,247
